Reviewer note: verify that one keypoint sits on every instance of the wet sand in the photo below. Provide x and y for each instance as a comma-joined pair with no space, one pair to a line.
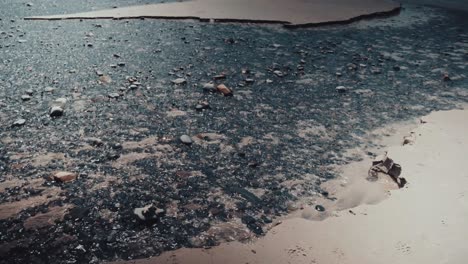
293,13
423,223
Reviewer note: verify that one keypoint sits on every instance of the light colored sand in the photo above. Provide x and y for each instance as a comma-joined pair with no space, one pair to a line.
294,12
426,222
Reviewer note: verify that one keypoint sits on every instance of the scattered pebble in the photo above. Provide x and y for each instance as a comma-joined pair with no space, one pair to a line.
224,90
341,89
186,140
319,208
278,73
64,176
114,95
202,106
209,87
219,76
179,81
19,122
56,111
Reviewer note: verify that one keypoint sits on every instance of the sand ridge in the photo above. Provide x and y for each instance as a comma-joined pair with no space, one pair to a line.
290,13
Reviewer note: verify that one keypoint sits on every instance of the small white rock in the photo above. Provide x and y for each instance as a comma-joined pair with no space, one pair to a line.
179,81
19,122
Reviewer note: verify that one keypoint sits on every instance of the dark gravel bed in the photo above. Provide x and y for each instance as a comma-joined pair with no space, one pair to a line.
124,115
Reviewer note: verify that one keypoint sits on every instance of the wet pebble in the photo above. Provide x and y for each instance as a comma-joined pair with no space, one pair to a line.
341,89
319,208
279,73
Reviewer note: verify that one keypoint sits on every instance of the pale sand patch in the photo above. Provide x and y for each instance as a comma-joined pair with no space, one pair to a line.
245,141
291,12
129,158
44,159
175,113
55,213
104,181
8,210
12,182
423,223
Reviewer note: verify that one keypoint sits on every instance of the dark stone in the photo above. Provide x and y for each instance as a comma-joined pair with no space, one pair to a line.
395,171
78,212
319,208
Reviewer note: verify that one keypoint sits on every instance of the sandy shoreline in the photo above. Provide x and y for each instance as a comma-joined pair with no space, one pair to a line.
423,223
291,13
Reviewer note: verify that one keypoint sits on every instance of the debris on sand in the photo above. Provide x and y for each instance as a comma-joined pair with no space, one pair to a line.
148,213
409,140
384,164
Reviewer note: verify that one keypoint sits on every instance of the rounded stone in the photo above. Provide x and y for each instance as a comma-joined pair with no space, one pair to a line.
186,139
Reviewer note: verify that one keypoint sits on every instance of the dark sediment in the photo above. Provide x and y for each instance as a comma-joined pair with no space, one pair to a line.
126,150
